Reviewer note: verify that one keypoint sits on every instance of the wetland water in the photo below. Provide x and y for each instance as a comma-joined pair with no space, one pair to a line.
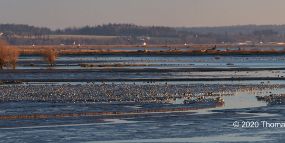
142,109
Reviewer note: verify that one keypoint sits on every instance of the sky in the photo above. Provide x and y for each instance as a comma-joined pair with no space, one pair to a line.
179,13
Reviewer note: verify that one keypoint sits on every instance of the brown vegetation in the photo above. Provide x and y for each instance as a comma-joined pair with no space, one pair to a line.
8,55
50,55
194,49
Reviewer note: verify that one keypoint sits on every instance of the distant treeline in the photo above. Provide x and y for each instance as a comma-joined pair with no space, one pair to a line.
20,29
121,30
103,30
134,34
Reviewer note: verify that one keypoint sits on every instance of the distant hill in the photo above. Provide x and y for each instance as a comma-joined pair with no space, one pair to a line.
134,34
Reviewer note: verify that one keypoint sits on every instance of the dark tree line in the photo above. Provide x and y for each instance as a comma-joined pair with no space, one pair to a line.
122,30
20,29
133,34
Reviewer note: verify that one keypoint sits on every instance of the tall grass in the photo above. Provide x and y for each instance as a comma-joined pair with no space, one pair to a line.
50,56
8,55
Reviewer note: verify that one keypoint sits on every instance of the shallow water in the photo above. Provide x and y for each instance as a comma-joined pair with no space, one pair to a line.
167,127
189,126
164,61
141,66
206,124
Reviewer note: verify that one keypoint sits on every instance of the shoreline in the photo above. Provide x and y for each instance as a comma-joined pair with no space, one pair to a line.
136,70
17,81
163,52
172,49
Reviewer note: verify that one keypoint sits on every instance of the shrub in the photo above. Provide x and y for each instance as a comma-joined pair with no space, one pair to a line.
3,54
8,55
13,55
50,56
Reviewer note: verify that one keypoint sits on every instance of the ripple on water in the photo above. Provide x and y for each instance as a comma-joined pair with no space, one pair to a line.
204,139
106,122
253,115
118,121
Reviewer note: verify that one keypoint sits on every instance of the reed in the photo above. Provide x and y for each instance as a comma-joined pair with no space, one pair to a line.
8,55
50,55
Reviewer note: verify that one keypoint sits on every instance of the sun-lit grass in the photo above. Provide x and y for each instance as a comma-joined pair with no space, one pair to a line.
202,49
8,55
50,55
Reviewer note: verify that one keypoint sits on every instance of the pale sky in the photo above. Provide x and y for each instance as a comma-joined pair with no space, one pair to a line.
188,13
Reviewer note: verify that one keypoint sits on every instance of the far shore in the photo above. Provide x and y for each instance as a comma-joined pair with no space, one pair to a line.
198,46
193,49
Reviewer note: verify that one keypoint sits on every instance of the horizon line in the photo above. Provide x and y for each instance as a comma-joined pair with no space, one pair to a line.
95,25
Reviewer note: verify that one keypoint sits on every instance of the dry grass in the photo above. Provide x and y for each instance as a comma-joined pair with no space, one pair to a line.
8,55
50,55
175,52
193,49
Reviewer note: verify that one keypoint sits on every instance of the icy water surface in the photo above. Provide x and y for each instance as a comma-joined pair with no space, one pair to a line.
146,67
141,122
156,61
206,124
